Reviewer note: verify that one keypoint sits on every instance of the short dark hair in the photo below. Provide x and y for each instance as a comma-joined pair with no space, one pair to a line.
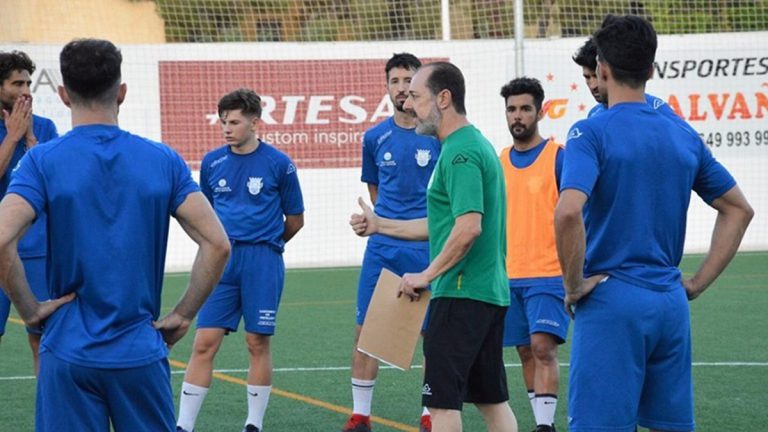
90,70
585,56
446,76
14,61
525,85
243,99
628,44
402,60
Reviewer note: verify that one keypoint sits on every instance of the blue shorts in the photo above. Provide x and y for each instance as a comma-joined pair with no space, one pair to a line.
250,287
34,269
398,260
72,398
631,360
536,306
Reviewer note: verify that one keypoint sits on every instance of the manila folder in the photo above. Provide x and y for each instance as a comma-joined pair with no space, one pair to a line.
392,324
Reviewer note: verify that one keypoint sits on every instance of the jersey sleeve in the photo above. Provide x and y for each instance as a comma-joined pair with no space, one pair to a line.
28,182
205,185
559,156
581,164
464,182
712,179
291,199
48,131
183,184
370,171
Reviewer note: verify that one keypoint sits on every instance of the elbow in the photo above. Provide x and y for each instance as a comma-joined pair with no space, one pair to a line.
749,213
566,216
222,248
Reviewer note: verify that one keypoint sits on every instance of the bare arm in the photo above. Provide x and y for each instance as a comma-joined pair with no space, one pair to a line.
733,216
570,238
17,215
367,223
465,231
201,224
293,223
373,191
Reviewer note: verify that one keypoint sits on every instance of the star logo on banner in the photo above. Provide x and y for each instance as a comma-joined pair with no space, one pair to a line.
550,77
574,87
582,107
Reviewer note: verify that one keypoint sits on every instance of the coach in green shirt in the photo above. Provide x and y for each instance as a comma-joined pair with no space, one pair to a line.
466,229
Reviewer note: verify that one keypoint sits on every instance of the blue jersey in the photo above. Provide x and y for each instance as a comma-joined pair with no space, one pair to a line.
638,167
400,162
653,101
108,195
251,193
524,159
33,244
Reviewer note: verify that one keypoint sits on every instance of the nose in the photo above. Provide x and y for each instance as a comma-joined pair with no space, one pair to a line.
408,105
26,90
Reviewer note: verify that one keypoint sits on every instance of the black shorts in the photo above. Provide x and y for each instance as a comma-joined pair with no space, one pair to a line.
464,354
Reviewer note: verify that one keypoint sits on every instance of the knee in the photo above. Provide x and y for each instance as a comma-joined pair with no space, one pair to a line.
257,344
545,352
525,354
205,347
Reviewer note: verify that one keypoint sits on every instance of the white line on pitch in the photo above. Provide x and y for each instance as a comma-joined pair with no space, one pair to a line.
346,368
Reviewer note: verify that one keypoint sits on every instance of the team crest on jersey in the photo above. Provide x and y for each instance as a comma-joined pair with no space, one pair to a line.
254,185
423,157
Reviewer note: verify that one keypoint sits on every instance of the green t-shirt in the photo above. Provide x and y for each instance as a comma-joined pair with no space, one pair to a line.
468,179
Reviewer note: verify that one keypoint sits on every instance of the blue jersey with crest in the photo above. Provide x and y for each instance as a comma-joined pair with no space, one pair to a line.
637,167
252,193
400,162
33,244
109,196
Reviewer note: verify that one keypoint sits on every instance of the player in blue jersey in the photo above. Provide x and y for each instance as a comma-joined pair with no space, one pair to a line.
108,196
536,322
255,191
20,130
397,164
585,57
620,222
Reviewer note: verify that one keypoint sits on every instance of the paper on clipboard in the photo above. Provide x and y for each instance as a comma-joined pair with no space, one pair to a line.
392,325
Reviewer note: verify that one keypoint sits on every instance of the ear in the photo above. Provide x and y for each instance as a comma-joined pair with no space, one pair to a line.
64,96
121,91
444,99
255,123
604,71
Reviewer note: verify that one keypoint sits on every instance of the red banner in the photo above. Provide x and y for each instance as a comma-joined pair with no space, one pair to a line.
316,111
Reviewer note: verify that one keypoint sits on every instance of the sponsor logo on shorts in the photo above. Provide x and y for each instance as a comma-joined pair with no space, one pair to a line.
426,390
548,322
266,318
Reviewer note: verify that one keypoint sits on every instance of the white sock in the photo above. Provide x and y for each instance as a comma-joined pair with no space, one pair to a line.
190,401
532,401
362,395
546,404
424,412
258,398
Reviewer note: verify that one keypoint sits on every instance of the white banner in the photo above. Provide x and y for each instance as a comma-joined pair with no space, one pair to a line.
718,82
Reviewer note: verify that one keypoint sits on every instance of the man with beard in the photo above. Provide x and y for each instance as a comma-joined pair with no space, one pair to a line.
20,130
536,322
467,233
397,164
